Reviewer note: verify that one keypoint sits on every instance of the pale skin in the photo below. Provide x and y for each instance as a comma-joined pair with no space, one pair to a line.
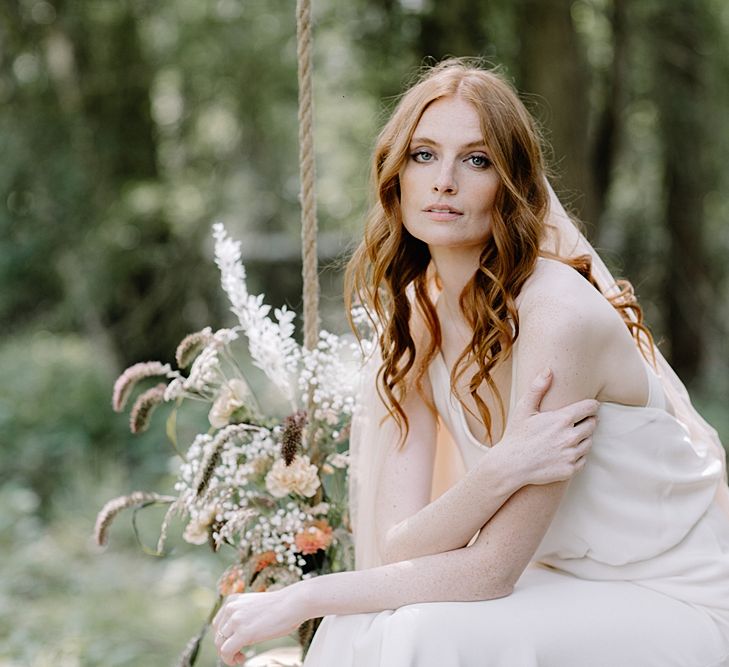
566,328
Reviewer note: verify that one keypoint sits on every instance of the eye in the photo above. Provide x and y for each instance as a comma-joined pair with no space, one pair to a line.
479,161
422,155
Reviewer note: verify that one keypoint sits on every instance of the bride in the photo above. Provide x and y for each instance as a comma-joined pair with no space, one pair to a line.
588,524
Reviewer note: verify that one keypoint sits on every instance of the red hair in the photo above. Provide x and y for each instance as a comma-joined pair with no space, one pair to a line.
388,273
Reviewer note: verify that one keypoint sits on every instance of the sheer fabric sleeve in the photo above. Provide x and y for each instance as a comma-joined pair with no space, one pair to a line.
373,431
564,239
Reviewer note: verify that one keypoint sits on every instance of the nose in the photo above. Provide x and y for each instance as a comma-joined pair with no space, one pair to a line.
445,181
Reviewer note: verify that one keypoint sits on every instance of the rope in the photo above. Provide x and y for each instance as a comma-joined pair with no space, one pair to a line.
307,174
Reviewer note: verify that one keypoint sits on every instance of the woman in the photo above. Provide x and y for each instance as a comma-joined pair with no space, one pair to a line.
461,264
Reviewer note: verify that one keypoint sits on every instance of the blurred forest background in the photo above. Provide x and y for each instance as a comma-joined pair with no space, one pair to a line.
128,126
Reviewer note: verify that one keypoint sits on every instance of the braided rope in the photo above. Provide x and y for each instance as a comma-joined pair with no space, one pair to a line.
307,173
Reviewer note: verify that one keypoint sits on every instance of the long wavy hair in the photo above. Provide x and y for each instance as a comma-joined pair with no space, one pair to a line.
390,271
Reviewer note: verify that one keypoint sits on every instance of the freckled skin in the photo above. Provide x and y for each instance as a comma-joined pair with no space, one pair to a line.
449,165
565,325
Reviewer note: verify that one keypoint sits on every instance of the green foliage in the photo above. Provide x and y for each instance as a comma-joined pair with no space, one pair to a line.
62,600
56,419
127,127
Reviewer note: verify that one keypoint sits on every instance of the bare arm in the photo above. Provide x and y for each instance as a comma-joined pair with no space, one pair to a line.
505,544
537,448
407,522
510,537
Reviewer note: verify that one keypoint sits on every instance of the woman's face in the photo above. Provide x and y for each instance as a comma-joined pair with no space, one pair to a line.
448,185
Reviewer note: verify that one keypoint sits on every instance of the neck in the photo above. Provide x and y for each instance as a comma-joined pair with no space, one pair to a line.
455,268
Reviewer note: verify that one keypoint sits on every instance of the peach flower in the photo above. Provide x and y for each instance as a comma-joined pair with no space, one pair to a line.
317,535
264,560
232,581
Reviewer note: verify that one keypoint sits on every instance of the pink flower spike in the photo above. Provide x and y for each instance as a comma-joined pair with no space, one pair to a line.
144,406
126,382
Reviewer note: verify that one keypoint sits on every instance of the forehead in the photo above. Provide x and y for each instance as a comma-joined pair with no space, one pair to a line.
450,120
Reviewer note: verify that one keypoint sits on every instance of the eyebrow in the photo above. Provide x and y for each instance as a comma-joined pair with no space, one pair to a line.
425,140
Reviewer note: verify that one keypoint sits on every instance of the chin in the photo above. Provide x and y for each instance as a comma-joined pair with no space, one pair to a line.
448,235
452,240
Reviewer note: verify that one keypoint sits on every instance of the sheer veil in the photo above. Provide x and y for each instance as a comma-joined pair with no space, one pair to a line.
373,432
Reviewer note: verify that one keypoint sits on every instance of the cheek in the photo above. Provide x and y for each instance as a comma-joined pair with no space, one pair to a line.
407,183
489,192
409,191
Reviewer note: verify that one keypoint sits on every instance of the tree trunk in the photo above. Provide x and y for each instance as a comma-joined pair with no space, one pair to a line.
553,67
608,131
454,28
679,39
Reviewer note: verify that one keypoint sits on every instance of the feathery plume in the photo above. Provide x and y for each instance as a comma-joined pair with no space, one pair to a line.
144,406
190,346
109,511
212,455
270,343
171,511
234,525
126,382
306,632
188,657
293,426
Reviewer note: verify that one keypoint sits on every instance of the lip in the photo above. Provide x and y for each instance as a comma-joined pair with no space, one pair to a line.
442,208
442,212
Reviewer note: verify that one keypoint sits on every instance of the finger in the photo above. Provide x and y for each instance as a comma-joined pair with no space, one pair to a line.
583,447
224,630
220,638
230,649
576,412
584,429
218,620
226,658
532,400
221,618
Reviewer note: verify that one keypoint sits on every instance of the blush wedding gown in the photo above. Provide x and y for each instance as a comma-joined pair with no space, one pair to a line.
632,572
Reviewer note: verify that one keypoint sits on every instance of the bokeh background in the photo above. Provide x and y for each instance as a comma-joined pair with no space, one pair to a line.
128,126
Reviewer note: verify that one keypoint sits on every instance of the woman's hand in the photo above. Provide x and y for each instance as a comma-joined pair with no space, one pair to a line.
250,618
550,446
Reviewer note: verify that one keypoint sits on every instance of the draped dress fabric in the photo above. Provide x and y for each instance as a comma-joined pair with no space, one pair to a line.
632,572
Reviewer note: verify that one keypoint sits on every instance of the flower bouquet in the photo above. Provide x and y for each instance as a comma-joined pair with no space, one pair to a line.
272,489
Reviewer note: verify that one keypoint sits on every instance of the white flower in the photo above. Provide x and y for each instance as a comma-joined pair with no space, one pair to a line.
196,531
204,371
271,344
233,395
339,460
300,477
224,337
332,371
174,390
321,508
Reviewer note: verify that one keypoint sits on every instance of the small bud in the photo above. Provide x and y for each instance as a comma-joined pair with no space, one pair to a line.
190,347
293,427
144,406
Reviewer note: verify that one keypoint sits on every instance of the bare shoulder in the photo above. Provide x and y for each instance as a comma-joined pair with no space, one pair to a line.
568,324
557,301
